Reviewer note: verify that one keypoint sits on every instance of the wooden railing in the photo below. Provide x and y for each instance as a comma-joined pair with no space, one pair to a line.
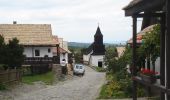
41,60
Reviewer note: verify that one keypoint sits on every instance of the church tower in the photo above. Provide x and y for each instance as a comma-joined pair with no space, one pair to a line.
95,53
98,46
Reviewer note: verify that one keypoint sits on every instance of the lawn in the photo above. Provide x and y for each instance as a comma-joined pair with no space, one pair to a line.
47,78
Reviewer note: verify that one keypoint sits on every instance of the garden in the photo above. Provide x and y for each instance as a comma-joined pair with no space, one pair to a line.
118,75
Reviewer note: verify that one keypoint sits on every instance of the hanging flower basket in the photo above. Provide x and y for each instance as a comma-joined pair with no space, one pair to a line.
148,75
148,79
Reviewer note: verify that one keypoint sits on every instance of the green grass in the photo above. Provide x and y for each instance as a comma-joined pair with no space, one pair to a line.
47,78
100,69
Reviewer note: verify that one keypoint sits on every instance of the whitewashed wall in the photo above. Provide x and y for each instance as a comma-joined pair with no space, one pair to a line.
86,58
30,51
64,57
157,66
95,59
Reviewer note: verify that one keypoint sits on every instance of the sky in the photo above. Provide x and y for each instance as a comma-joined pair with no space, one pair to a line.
73,20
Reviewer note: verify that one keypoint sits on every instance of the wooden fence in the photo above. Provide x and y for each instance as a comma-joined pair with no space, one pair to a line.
10,76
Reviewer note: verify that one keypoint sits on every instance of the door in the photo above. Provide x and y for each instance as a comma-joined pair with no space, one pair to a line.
100,63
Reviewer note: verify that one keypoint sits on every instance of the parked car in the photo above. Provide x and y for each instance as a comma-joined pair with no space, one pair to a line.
78,69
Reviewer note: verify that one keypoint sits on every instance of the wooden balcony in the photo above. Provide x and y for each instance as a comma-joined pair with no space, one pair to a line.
41,60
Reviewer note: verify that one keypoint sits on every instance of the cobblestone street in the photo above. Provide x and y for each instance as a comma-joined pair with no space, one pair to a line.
79,88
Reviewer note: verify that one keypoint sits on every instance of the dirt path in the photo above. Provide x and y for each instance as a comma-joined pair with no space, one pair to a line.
81,88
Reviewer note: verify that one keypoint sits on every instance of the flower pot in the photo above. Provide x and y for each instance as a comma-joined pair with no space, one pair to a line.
148,79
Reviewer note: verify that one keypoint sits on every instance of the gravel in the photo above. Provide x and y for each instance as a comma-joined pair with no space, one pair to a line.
77,88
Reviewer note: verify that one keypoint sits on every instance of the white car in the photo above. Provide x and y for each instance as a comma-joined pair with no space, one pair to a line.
79,69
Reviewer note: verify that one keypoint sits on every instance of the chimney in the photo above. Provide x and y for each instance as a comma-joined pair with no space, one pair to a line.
14,22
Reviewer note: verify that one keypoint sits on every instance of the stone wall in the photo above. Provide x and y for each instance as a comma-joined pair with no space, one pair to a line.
56,68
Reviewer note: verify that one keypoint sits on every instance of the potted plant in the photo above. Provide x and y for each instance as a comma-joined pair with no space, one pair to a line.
148,75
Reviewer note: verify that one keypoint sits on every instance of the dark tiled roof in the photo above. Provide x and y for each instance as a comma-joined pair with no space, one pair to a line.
98,32
89,49
132,3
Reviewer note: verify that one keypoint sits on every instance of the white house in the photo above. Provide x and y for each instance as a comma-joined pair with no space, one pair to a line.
63,49
95,53
37,39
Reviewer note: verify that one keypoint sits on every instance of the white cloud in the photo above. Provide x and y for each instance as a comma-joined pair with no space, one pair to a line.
74,20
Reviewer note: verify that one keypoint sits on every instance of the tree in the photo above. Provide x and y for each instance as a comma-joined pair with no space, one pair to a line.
110,58
15,56
11,54
2,49
78,53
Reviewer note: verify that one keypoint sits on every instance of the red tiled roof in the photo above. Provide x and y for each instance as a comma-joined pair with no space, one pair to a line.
141,34
61,50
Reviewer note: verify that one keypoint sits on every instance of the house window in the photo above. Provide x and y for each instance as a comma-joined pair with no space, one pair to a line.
37,52
49,50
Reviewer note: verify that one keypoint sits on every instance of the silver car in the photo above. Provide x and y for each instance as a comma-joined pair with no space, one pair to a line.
78,69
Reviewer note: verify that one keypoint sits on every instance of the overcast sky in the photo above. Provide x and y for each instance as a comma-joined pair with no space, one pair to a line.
74,20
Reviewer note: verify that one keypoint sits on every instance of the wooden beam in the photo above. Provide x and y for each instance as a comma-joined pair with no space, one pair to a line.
162,55
141,15
168,46
156,85
134,69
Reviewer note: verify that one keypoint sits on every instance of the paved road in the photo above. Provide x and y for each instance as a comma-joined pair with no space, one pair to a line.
81,88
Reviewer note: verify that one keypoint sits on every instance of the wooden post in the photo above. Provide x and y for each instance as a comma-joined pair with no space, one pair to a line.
162,55
168,46
58,54
8,72
134,70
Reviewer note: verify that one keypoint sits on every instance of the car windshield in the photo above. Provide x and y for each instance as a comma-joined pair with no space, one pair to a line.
79,67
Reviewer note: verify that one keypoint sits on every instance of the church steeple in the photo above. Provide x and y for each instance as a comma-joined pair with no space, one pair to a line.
98,37
98,32
98,46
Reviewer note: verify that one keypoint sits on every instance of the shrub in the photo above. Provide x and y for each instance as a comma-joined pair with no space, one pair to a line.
2,86
118,88
14,56
100,69
11,54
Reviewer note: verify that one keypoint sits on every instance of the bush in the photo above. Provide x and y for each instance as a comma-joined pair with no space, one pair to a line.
100,69
14,56
119,80
118,87
113,89
11,54
2,87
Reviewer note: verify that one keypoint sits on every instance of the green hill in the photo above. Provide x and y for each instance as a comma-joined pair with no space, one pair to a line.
86,45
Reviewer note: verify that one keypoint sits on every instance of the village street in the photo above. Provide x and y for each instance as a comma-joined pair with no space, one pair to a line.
78,88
